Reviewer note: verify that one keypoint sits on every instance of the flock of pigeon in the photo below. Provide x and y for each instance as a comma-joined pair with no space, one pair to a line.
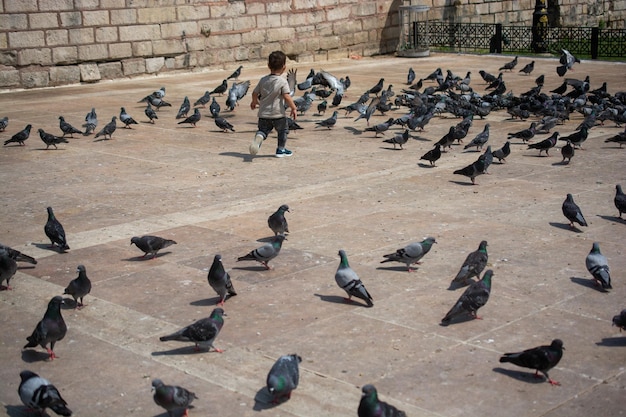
447,94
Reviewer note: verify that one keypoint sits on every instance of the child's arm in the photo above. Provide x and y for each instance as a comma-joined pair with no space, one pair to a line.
291,104
255,101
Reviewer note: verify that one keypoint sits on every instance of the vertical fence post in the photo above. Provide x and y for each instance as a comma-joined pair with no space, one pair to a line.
595,40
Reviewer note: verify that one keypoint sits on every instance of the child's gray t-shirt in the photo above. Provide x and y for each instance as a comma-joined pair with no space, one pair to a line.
271,101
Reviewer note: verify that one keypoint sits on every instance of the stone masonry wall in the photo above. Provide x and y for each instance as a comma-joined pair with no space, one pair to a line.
56,42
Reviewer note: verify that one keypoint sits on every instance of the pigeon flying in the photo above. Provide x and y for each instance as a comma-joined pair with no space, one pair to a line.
79,287
220,281
50,329
350,282
151,244
38,393
202,332
541,358
411,254
283,377
172,397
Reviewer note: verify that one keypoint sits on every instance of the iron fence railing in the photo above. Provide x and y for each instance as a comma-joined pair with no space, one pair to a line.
588,42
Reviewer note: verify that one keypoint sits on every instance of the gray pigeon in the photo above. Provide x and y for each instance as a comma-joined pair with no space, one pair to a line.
8,268
150,113
20,136
546,144
277,221
108,129
540,358
202,332
509,65
473,170
503,152
224,124
526,134
235,75
237,92
172,397
480,139
265,253
126,118
16,255
184,108
193,119
620,200
50,329
474,264
350,282
572,212
4,122
371,406
67,128
567,152
50,139
283,377
220,281
399,139
381,127
202,101
330,122
151,244
567,61
215,108
411,254
79,287
55,232
486,159
598,266
410,76
38,393
220,89
91,122
473,298
620,320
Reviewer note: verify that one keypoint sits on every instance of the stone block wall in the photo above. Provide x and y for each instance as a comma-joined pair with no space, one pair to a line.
56,42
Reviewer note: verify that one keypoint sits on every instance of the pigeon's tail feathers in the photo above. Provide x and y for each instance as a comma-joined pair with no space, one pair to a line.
61,409
173,336
602,275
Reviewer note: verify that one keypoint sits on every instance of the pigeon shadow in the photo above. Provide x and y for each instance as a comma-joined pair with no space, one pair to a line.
263,400
565,226
258,268
175,413
459,319
206,302
185,350
32,356
389,148
353,130
527,377
609,218
421,165
140,258
612,341
393,268
589,283
421,138
20,411
560,163
339,300
464,183
47,246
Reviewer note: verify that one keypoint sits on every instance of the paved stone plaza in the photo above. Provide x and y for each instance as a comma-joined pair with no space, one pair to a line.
346,190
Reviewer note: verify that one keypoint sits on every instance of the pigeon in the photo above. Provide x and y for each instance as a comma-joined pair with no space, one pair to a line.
619,138
67,128
435,75
528,68
448,139
546,144
91,122
224,124
350,282
620,320
371,406
293,125
381,127
151,244
540,358
283,377
79,287
215,108
399,139
20,136
235,75
411,254
377,88
50,139
620,200
38,393
330,122
193,119
473,298
433,155
509,65
474,264
237,92
480,139
572,212
486,159
4,122
150,113
220,281
55,232
598,266
265,253
567,61
184,108
172,397
220,89
321,108
277,221
473,170
333,83
369,110
539,81
50,329
577,138
410,78
16,255
487,78
202,332
108,129
8,268
567,152
526,134
158,102
503,152
126,118
202,101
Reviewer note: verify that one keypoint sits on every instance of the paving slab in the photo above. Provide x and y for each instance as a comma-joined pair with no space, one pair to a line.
346,189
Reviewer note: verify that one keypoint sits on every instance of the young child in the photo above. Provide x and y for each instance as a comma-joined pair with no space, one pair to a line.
270,96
